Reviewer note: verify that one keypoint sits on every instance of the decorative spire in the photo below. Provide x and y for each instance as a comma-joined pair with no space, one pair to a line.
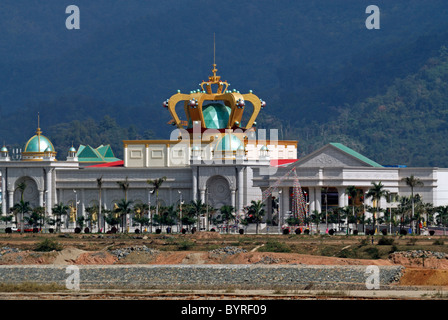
38,131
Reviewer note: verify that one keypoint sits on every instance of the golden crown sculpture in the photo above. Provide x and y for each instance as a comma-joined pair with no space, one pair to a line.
193,103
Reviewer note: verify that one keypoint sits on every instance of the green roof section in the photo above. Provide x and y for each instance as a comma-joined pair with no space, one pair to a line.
38,143
355,154
101,154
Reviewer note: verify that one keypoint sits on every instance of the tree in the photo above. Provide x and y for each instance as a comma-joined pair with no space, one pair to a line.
442,217
20,209
413,182
99,183
353,194
156,184
125,186
123,209
316,217
227,215
35,219
59,210
140,209
198,208
21,187
111,218
376,192
256,212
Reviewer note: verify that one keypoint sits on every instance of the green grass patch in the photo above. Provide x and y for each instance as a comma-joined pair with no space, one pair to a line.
31,287
48,245
275,246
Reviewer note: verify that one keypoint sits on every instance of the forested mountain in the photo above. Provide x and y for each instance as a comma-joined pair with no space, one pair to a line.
406,125
314,62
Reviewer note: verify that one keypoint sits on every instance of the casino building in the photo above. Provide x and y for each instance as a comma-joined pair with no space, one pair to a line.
216,155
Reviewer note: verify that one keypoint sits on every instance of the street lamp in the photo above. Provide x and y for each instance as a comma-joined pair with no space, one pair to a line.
76,206
180,208
279,209
149,206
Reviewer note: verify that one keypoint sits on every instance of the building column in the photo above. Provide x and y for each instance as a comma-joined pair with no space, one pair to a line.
11,198
233,192
311,199
341,197
195,183
4,192
41,198
49,189
202,192
318,199
240,190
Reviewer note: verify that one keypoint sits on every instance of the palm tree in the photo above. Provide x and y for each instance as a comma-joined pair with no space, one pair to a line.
125,186
352,193
123,209
156,183
59,210
21,187
376,192
227,214
316,217
198,207
139,214
20,209
99,183
256,212
442,217
413,182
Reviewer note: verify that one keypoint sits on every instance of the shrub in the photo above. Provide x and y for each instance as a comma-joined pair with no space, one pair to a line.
403,232
51,230
48,245
275,246
185,245
355,232
137,231
113,230
298,231
384,231
372,252
86,230
241,231
384,241
285,231
158,230
331,232
431,232
77,230
438,242
307,231
8,230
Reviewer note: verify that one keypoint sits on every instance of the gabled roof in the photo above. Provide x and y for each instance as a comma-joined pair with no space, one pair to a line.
99,155
335,155
356,154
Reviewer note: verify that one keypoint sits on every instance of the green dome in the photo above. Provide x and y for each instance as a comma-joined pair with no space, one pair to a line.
216,115
38,143
229,142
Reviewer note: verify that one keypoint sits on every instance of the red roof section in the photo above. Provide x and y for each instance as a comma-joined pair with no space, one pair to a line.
282,162
119,163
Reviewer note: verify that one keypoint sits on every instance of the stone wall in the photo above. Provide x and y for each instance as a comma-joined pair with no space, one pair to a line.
203,276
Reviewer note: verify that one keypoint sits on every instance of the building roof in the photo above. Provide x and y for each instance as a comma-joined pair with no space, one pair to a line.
38,143
355,154
102,154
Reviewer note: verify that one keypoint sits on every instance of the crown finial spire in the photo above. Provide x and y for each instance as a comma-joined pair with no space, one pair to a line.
38,131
